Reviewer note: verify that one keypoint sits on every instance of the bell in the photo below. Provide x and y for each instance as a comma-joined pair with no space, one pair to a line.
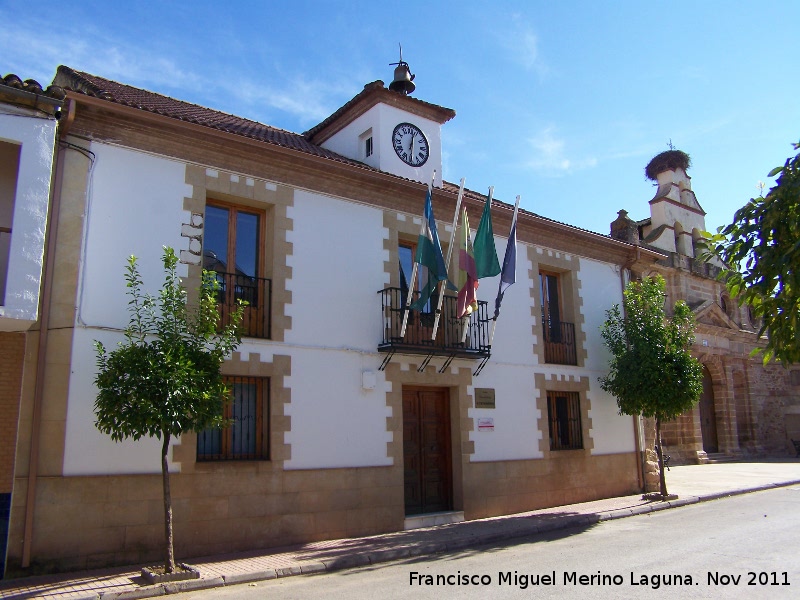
403,79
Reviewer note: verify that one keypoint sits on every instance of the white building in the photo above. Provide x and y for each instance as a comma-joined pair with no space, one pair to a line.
28,117
346,428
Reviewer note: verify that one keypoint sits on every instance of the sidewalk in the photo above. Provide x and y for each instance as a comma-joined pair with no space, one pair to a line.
691,483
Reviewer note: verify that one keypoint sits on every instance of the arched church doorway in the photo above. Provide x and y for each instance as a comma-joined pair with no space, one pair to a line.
708,416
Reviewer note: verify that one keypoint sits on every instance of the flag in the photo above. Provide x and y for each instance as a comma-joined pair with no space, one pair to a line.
403,284
486,264
467,280
429,255
508,275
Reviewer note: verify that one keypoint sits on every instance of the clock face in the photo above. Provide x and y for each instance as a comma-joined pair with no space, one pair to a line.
410,144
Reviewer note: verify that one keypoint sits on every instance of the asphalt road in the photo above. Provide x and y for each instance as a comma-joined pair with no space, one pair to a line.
740,547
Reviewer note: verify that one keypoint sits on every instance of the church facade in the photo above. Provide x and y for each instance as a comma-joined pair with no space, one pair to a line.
747,409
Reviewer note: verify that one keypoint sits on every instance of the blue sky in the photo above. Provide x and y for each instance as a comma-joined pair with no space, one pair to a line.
563,103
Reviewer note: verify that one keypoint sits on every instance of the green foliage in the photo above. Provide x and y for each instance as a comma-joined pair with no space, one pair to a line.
762,248
165,378
652,372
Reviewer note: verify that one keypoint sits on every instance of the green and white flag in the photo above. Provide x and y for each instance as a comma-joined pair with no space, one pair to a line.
486,263
429,255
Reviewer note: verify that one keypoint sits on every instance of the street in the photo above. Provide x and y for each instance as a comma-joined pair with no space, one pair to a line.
740,547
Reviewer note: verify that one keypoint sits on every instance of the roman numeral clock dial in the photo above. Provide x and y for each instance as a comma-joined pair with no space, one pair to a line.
410,144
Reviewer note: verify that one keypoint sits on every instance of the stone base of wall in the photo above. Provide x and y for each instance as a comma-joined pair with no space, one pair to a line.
93,522
568,477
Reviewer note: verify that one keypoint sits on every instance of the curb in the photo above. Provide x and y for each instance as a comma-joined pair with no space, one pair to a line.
424,549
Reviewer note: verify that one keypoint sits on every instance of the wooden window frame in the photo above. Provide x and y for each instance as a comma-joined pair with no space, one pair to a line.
262,232
257,315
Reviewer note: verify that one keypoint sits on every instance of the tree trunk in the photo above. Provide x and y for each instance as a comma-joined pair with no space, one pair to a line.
169,564
661,474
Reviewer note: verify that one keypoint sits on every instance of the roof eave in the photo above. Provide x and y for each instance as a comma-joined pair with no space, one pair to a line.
373,94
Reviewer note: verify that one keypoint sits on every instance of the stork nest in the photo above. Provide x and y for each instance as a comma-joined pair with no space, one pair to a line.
667,161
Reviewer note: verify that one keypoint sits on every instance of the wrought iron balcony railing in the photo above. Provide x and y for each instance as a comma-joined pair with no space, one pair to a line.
417,339
559,343
257,292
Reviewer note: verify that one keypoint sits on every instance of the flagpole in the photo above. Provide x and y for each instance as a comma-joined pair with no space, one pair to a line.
447,262
414,268
513,222
465,318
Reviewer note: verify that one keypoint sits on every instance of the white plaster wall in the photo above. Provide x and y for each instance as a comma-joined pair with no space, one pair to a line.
86,450
663,212
337,270
347,142
612,432
335,422
135,206
513,337
36,135
390,117
601,288
517,421
383,119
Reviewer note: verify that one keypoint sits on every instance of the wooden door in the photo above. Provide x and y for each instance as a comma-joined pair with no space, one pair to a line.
708,416
426,450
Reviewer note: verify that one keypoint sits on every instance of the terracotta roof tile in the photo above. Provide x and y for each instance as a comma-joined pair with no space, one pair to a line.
92,85
453,188
106,89
32,86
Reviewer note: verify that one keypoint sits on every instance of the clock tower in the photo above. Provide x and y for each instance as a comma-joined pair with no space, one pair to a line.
388,130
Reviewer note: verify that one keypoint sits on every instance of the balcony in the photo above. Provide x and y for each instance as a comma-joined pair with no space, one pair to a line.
419,330
257,292
559,343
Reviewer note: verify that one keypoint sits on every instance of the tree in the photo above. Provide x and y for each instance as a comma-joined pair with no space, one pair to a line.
165,379
762,249
652,372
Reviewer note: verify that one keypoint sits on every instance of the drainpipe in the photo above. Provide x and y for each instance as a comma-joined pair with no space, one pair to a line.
624,279
44,324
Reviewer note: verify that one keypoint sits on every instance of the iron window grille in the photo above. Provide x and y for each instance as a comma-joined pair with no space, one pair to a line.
246,435
564,418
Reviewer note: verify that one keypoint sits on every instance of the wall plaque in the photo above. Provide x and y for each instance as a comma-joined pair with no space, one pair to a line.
484,398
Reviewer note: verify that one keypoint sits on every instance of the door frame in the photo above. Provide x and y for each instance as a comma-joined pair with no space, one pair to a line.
447,441
709,433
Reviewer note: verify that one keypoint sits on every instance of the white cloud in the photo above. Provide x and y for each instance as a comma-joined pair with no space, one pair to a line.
521,44
91,51
309,101
549,156
306,101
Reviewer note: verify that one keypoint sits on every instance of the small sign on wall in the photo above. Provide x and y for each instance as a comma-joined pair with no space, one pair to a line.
485,424
484,398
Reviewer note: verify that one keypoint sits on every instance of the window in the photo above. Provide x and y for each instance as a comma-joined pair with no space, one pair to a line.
246,437
551,306
564,418
559,336
407,251
9,168
233,247
365,144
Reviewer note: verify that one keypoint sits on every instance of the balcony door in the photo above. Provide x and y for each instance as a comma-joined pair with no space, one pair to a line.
233,248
